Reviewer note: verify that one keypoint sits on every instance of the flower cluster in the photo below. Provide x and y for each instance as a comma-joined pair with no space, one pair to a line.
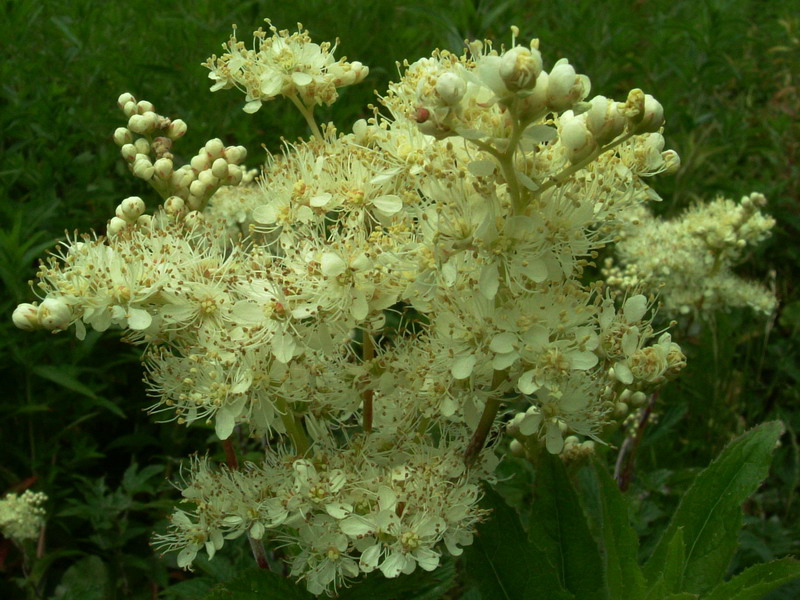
688,260
377,305
283,64
384,503
146,145
22,516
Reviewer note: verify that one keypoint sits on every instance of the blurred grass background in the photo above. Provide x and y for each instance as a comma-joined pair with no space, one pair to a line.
726,72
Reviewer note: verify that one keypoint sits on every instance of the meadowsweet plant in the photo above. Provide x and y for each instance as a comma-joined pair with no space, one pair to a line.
467,209
22,516
688,261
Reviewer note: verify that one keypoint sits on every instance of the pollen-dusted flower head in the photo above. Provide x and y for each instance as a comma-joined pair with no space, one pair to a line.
287,64
22,516
688,260
377,306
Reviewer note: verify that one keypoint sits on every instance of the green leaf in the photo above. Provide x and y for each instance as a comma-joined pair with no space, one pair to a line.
419,585
619,544
259,584
191,589
504,565
757,581
558,525
672,576
64,378
87,579
710,512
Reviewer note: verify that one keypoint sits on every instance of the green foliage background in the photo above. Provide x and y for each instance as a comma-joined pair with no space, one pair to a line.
72,423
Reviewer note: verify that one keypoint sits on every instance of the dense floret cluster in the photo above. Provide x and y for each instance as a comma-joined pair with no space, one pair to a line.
375,304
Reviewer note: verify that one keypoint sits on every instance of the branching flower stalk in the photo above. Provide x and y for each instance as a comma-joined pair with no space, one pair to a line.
475,202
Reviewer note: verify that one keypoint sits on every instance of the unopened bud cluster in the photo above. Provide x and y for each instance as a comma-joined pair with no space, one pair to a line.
149,156
479,203
22,516
689,260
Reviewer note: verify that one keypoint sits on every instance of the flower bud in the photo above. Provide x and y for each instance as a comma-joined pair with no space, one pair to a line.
235,174
174,205
633,107
130,109
201,162
131,209
198,188
533,105
151,120
220,168
565,87
603,119
142,146
144,106
672,162
652,117
26,317
115,225
361,71
577,140
144,221
54,314
128,152
124,99
183,177
214,148
512,426
519,68
193,218
122,136
361,131
163,168
450,88
137,124
143,168
516,448
207,177
234,154
161,146
176,129
194,202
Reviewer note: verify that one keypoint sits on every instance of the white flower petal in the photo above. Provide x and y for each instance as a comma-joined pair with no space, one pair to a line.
503,343
393,565
355,525
332,264
582,360
369,558
339,510
462,367
139,319
388,204
301,79
489,281
223,423
634,308
526,384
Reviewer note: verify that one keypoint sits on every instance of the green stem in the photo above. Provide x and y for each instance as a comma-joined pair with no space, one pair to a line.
506,161
257,546
367,354
308,115
293,428
478,439
572,169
